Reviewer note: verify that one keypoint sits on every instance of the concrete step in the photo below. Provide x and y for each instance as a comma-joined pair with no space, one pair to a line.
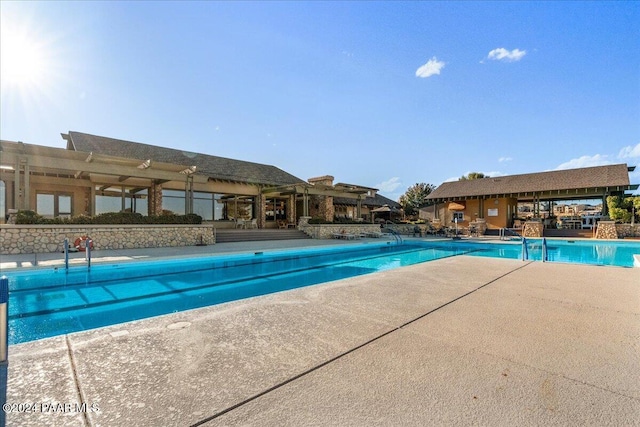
226,236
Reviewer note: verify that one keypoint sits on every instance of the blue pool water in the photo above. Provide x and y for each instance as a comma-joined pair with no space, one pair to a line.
47,303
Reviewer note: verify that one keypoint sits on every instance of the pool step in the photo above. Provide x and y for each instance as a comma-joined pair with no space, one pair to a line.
226,236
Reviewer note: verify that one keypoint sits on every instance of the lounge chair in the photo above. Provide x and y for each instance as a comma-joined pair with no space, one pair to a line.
344,235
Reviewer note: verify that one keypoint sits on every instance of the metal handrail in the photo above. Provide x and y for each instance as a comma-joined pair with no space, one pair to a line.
66,254
504,231
397,236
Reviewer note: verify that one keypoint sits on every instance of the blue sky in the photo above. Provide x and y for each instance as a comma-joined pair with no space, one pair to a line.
382,94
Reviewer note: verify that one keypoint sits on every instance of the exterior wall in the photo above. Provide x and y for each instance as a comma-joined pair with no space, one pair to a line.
27,239
533,229
322,206
475,209
79,189
472,211
628,230
506,208
326,231
606,230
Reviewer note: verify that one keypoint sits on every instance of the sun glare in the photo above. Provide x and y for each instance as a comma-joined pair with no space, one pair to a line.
23,59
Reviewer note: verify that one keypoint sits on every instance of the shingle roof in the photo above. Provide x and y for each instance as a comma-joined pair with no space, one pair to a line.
377,201
591,177
212,166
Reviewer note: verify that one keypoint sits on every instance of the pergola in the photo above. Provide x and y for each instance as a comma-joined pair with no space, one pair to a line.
305,190
596,182
27,161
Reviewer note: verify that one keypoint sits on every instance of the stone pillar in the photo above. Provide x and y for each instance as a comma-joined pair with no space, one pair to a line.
291,212
533,229
261,210
322,206
606,230
89,200
154,206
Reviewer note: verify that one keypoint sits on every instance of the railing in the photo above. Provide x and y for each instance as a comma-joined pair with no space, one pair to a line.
525,250
396,235
87,254
504,232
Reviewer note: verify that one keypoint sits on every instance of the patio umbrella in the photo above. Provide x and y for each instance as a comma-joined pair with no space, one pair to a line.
383,208
453,206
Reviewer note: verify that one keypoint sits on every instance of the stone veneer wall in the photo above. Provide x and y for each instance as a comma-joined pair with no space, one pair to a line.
533,229
326,231
408,229
28,239
606,230
628,230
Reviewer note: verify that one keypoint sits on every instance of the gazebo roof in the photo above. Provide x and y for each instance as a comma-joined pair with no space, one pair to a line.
566,184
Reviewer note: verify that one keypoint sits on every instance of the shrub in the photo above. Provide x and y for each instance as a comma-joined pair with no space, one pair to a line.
623,209
28,217
31,217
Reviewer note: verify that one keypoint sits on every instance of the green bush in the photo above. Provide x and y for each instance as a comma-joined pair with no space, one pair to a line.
623,209
28,217
31,217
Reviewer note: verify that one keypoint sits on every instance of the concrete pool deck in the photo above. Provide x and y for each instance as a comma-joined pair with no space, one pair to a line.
457,341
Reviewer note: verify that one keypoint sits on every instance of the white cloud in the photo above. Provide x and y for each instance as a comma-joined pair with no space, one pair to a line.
585,162
389,185
502,54
629,152
433,66
504,159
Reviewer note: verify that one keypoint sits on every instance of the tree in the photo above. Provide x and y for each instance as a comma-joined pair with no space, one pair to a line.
415,197
473,175
623,209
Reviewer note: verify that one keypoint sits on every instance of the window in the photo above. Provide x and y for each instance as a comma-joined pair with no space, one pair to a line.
3,201
239,207
121,199
173,200
210,206
276,210
203,205
52,205
459,216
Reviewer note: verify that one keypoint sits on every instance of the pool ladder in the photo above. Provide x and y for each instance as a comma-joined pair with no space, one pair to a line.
525,250
87,253
396,236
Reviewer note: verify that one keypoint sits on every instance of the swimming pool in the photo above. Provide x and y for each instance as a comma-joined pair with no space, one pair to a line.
45,303
54,302
593,252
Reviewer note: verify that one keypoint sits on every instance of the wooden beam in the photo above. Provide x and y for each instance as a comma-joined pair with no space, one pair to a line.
101,168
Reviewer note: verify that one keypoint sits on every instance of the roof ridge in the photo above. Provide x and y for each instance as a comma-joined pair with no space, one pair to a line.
172,149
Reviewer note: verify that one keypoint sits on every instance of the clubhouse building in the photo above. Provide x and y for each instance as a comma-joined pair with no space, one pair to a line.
97,174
